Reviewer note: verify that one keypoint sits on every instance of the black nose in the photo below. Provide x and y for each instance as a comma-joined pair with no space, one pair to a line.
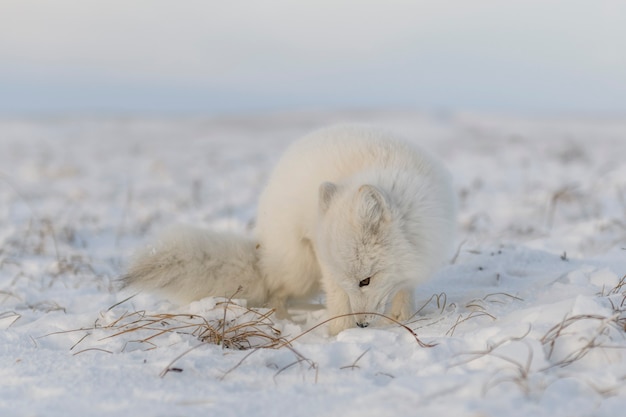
362,325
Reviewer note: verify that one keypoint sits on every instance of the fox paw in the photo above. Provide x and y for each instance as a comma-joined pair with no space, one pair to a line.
340,324
402,306
402,314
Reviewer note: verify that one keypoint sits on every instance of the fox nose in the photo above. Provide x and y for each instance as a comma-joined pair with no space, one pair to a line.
362,324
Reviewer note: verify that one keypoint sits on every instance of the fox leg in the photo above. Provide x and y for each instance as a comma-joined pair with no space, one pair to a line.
337,304
278,302
402,305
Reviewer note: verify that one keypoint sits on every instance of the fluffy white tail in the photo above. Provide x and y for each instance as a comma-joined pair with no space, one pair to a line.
188,264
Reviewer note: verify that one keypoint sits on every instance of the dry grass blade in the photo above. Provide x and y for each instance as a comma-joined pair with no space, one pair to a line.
47,306
458,252
121,302
619,287
80,340
169,367
93,350
491,349
299,360
442,302
494,294
9,294
354,364
10,315
404,326
238,363
472,315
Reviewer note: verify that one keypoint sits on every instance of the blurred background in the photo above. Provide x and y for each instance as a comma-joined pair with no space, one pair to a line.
206,57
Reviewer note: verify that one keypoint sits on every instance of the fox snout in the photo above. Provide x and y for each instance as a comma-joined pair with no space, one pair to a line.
364,320
366,311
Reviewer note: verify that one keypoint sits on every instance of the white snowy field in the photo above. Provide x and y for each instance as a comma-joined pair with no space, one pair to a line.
528,319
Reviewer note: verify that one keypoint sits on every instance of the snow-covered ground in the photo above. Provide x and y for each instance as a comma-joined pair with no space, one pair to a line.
528,319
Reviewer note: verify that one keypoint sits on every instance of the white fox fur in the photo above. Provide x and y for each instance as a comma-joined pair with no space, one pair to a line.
188,263
353,209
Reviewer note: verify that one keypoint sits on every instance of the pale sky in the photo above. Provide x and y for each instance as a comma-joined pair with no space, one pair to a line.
206,56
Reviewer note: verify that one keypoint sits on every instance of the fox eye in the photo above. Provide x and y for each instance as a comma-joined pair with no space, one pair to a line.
365,282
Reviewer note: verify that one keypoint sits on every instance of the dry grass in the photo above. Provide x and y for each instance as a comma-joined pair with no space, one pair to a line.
475,308
599,331
596,337
247,330
228,325
9,317
236,327
565,343
517,372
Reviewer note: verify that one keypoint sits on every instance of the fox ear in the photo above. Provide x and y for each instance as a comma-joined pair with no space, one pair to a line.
373,207
326,193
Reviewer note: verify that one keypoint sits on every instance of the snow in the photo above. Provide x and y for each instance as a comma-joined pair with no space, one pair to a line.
528,319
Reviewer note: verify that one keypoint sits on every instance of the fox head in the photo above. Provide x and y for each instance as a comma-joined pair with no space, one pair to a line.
361,247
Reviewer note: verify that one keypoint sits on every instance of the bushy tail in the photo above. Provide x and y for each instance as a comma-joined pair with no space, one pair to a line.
187,264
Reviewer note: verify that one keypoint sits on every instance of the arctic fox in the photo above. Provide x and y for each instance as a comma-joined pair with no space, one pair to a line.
354,209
